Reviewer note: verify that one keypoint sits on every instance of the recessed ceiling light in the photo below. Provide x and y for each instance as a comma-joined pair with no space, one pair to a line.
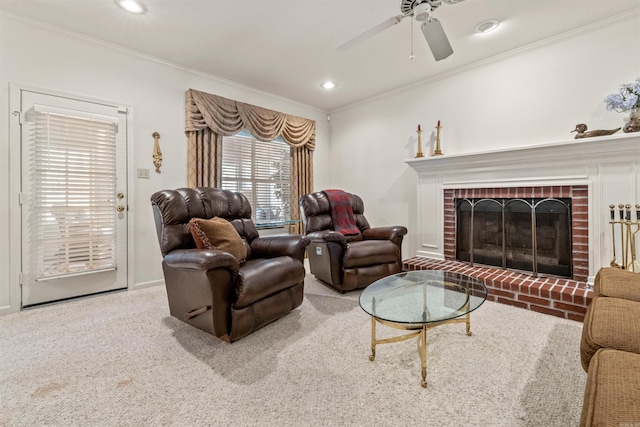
328,85
132,6
487,26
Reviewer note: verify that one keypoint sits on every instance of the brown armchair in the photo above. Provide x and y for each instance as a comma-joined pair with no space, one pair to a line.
351,261
210,288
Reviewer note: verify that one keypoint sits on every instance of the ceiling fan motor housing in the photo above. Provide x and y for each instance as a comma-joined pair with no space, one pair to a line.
408,6
422,12
420,9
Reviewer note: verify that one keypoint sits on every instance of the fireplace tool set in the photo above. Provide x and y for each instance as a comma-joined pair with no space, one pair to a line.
628,236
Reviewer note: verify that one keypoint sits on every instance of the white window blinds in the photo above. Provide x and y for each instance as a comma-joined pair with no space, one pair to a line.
74,180
261,170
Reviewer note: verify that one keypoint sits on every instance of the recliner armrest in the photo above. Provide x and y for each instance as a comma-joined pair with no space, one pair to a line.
384,233
201,259
292,245
323,236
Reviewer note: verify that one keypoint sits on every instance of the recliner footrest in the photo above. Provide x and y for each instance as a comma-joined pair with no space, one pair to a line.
370,252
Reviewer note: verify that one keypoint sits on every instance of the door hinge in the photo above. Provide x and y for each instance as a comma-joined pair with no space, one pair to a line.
20,278
20,198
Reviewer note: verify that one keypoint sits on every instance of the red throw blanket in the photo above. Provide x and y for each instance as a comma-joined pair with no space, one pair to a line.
344,222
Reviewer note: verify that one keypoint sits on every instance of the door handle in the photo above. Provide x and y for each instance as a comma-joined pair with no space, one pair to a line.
120,208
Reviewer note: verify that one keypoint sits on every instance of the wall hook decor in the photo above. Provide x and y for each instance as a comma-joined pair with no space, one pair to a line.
157,154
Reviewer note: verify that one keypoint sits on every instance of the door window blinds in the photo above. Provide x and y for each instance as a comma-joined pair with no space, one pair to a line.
260,170
72,197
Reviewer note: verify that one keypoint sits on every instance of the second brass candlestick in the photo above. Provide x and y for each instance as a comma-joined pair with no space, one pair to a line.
437,151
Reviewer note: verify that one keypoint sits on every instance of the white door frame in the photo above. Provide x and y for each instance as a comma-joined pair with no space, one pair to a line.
15,166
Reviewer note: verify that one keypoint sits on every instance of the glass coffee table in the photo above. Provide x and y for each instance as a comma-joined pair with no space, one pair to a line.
419,300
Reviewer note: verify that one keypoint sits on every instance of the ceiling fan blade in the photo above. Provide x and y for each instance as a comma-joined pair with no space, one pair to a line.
436,38
370,33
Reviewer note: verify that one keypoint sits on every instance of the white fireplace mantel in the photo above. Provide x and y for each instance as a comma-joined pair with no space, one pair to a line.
609,166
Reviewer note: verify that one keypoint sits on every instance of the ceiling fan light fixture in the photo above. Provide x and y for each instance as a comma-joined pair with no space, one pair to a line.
132,6
422,12
436,39
487,26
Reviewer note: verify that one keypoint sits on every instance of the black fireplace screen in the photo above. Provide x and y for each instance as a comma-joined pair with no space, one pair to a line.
522,234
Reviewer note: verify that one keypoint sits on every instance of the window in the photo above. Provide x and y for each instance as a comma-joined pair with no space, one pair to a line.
261,171
73,164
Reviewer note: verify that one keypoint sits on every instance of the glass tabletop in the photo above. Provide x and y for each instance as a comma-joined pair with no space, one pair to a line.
423,296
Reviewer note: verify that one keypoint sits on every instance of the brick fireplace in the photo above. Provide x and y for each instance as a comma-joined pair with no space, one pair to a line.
592,173
562,297
578,194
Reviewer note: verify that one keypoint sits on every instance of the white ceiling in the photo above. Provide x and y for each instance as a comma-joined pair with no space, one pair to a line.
287,47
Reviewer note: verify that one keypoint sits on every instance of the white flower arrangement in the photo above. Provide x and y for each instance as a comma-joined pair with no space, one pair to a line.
627,99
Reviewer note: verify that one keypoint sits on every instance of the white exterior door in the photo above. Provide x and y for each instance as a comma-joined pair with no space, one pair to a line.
73,198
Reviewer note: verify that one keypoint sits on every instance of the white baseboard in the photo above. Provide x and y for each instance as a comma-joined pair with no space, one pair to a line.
149,284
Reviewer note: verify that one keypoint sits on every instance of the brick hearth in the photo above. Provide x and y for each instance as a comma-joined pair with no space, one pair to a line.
549,295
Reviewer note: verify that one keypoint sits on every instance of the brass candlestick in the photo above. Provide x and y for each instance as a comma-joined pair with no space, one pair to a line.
437,151
419,153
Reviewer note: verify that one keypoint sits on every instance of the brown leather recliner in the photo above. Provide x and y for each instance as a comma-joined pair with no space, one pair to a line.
348,262
209,288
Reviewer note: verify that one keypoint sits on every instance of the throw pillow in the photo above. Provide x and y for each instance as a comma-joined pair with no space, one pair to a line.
218,233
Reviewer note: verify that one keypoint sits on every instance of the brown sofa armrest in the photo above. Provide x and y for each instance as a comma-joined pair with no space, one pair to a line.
201,259
292,245
617,283
384,233
327,236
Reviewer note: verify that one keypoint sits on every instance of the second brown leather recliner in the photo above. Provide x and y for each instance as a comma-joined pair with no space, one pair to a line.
348,261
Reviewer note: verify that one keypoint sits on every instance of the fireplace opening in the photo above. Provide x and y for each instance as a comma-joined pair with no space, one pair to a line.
522,234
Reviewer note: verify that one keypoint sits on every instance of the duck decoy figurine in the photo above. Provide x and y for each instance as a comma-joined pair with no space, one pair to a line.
582,132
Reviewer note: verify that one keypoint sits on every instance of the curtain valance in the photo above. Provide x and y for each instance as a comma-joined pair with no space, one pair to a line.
227,117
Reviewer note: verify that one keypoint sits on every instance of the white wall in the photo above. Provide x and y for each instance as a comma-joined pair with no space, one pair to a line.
38,56
534,96
531,97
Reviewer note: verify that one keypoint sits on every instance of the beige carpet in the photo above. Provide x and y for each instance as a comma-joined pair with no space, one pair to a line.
119,359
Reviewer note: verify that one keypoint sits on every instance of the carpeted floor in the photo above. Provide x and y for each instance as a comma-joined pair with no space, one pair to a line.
119,359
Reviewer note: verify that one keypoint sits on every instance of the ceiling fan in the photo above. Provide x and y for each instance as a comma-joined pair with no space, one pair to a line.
421,11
